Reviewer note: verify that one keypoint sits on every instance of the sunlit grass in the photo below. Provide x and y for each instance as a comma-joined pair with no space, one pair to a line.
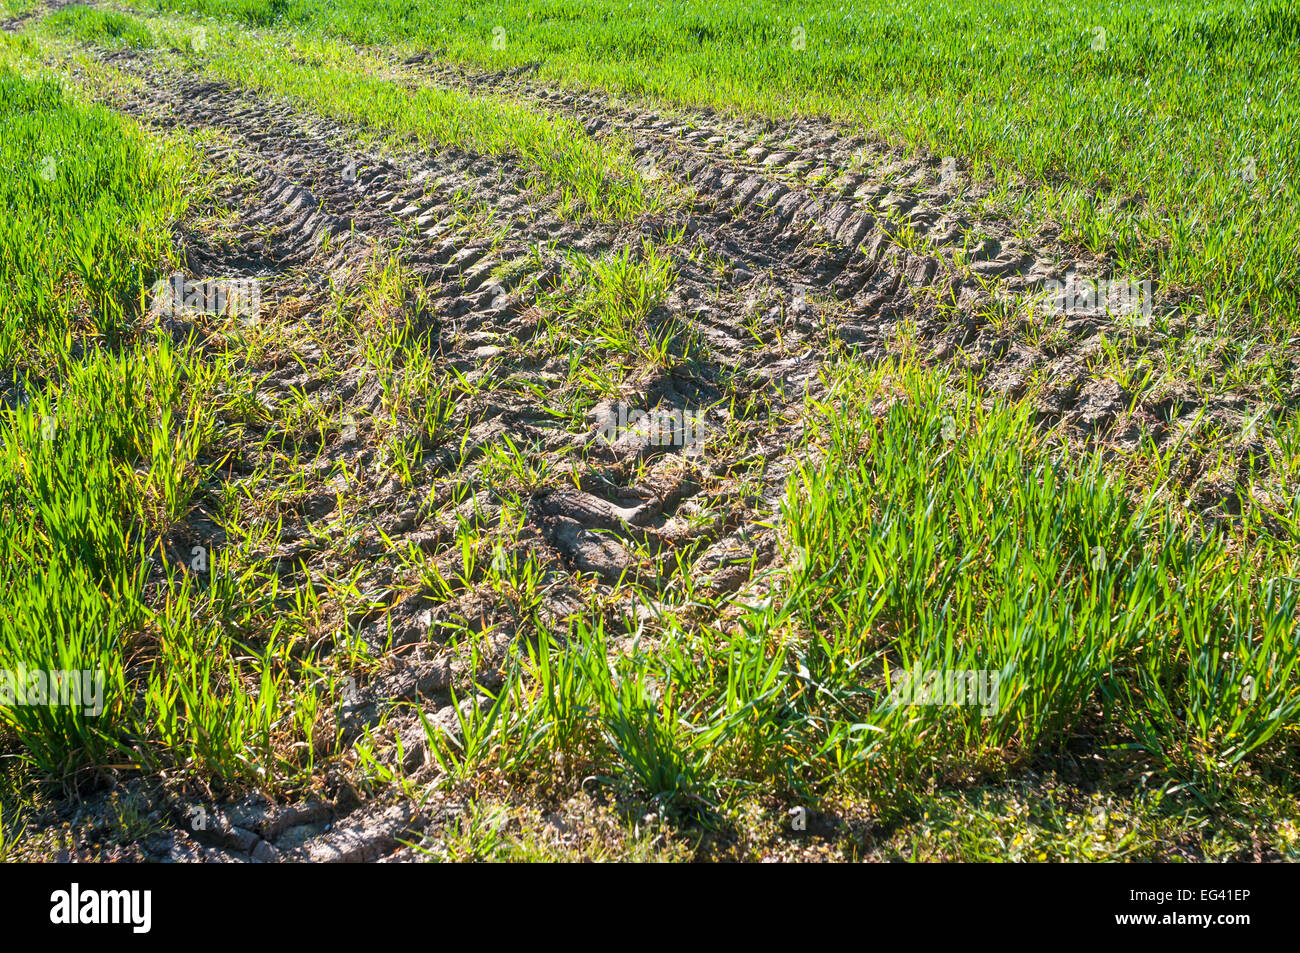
330,78
1160,134
107,432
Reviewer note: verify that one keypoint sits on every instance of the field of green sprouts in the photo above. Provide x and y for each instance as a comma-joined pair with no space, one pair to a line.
100,439
1164,134
239,526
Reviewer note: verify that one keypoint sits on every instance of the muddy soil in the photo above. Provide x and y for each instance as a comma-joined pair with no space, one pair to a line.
796,227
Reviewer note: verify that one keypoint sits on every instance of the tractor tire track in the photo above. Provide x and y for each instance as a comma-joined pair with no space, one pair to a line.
302,224
903,244
794,256
422,197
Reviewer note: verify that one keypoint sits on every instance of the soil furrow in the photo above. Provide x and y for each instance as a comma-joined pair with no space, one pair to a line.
795,240
900,239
